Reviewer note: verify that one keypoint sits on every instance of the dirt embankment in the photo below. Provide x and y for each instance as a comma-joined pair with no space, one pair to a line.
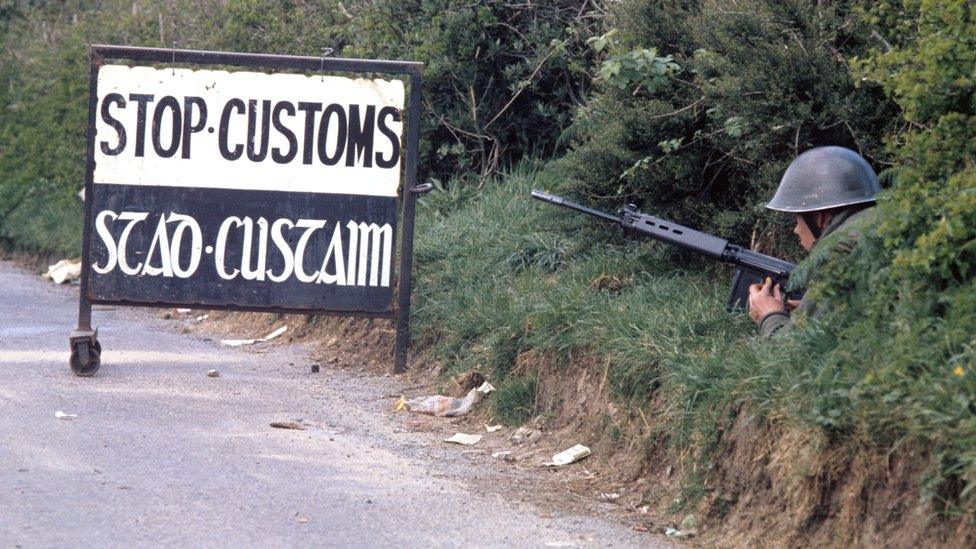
773,485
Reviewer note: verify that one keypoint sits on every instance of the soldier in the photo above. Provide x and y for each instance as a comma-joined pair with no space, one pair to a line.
829,190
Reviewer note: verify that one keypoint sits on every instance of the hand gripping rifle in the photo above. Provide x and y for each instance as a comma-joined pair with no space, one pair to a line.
753,267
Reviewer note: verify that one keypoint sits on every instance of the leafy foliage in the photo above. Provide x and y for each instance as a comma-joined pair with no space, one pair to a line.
639,69
921,305
502,79
744,91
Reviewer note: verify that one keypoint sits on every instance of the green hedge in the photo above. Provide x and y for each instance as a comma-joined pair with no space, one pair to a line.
502,81
751,88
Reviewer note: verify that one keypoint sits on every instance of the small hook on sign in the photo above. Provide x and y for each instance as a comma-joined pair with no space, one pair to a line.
325,53
172,61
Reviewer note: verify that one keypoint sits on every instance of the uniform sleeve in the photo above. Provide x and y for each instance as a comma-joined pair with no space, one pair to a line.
772,323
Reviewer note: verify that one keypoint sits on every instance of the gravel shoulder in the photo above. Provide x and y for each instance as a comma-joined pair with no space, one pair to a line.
162,454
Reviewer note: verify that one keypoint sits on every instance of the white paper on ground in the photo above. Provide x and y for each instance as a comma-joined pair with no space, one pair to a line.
242,342
237,342
568,456
63,271
462,438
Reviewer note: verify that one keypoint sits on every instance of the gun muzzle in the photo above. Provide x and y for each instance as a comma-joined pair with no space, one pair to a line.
546,197
560,201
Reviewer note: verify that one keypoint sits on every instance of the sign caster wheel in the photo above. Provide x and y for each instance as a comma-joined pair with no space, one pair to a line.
85,358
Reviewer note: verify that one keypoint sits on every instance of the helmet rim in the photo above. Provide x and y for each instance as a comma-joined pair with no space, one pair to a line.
788,209
824,178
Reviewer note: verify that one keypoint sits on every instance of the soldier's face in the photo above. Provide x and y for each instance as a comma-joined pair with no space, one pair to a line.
803,233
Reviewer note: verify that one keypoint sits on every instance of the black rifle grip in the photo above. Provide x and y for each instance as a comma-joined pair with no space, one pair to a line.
739,293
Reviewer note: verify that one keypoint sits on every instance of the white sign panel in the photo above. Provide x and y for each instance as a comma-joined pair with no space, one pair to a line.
249,131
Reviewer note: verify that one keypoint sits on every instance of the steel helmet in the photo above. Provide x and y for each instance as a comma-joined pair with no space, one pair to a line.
823,178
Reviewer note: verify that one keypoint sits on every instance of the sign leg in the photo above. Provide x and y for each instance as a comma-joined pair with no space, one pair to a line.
83,341
405,285
410,192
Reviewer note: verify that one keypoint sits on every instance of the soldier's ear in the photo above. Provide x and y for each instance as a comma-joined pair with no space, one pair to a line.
823,219
813,222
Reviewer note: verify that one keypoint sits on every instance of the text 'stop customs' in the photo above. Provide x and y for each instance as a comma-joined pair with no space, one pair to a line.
248,130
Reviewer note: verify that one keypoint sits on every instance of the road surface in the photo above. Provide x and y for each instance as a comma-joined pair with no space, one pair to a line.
161,454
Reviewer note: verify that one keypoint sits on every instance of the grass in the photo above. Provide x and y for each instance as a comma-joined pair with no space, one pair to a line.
500,274
503,273
514,402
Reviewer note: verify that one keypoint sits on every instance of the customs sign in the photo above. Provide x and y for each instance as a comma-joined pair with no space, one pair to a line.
248,189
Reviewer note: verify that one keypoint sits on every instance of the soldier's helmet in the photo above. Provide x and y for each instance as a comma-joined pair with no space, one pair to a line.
823,178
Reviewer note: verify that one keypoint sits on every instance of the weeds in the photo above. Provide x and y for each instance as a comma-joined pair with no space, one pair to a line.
514,402
659,320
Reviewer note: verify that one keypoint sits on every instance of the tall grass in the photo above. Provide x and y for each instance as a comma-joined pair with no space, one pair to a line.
500,274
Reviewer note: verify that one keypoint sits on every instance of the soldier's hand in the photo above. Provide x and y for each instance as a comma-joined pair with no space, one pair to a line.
765,298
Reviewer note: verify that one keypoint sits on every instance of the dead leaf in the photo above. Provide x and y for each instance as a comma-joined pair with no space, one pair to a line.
287,425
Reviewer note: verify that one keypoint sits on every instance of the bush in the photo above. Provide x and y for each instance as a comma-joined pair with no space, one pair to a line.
753,87
502,79
42,133
921,305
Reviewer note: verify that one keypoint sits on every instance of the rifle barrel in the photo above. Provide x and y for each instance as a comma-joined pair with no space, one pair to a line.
560,201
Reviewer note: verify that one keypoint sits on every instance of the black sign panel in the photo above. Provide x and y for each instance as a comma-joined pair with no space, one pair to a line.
249,248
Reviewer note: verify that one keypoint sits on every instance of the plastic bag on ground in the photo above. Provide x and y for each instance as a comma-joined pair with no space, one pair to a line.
443,406
63,271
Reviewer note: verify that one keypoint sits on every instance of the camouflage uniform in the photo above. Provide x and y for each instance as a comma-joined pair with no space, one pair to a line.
837,241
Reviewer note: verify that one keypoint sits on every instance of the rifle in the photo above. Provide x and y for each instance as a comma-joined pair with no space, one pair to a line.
752,267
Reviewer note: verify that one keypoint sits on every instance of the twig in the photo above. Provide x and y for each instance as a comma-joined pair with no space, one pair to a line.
850,129
519,92
796,140
877,36
682,109
474,106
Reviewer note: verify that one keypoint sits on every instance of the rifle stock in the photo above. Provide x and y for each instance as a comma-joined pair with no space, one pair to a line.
752,267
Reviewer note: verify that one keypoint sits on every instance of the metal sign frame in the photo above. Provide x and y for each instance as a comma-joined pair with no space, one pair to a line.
83,341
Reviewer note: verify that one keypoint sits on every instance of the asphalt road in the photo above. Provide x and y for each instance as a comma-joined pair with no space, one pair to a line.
161,454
